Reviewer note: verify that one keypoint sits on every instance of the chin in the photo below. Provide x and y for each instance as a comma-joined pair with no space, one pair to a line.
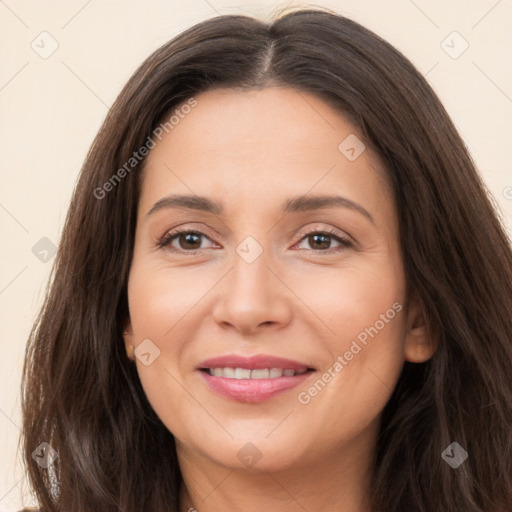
255,453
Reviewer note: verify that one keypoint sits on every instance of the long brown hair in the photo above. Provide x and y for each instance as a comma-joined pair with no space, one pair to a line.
82,395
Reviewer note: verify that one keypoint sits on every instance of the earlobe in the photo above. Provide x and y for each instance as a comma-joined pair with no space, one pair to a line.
420,342
128,340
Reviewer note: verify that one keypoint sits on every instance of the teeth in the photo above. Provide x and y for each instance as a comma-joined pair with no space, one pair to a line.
228,372
260,373
276,372
242,373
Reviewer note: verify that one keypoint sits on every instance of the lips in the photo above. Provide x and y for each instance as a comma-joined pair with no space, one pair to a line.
252,379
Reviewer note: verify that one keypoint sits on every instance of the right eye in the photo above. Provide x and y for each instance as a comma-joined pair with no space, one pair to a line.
186,241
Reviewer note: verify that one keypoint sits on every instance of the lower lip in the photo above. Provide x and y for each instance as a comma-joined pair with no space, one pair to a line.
252,390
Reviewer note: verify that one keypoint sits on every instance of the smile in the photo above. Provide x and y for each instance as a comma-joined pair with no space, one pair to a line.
252,379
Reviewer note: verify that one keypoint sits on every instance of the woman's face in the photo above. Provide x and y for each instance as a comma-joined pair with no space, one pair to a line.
277,317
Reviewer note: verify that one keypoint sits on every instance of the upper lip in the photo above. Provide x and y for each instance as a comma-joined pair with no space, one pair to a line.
252,362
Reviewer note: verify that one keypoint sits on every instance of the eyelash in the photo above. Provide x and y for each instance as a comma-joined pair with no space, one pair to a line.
165,241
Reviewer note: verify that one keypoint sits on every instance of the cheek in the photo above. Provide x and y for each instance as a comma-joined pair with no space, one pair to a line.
350,393
156,307
371,329
354,301
159,298
366,314
161,304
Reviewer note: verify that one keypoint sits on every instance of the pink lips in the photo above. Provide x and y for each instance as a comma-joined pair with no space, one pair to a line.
252,390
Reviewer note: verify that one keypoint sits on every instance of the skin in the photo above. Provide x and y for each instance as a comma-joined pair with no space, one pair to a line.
251,151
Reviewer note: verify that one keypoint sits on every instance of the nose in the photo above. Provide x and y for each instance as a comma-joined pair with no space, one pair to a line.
252,298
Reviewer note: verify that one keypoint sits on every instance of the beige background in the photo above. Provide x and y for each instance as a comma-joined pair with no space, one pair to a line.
51,108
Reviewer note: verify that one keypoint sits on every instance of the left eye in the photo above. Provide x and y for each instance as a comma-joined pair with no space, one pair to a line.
323,241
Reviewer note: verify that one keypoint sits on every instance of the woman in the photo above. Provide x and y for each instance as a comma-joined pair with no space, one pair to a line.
281,286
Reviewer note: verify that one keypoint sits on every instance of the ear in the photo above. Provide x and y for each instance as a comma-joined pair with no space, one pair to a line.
128,339
420,342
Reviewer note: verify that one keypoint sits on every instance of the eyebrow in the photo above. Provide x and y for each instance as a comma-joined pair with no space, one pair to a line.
292,205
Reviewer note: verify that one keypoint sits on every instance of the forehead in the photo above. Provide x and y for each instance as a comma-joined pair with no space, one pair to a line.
262,142
228,118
